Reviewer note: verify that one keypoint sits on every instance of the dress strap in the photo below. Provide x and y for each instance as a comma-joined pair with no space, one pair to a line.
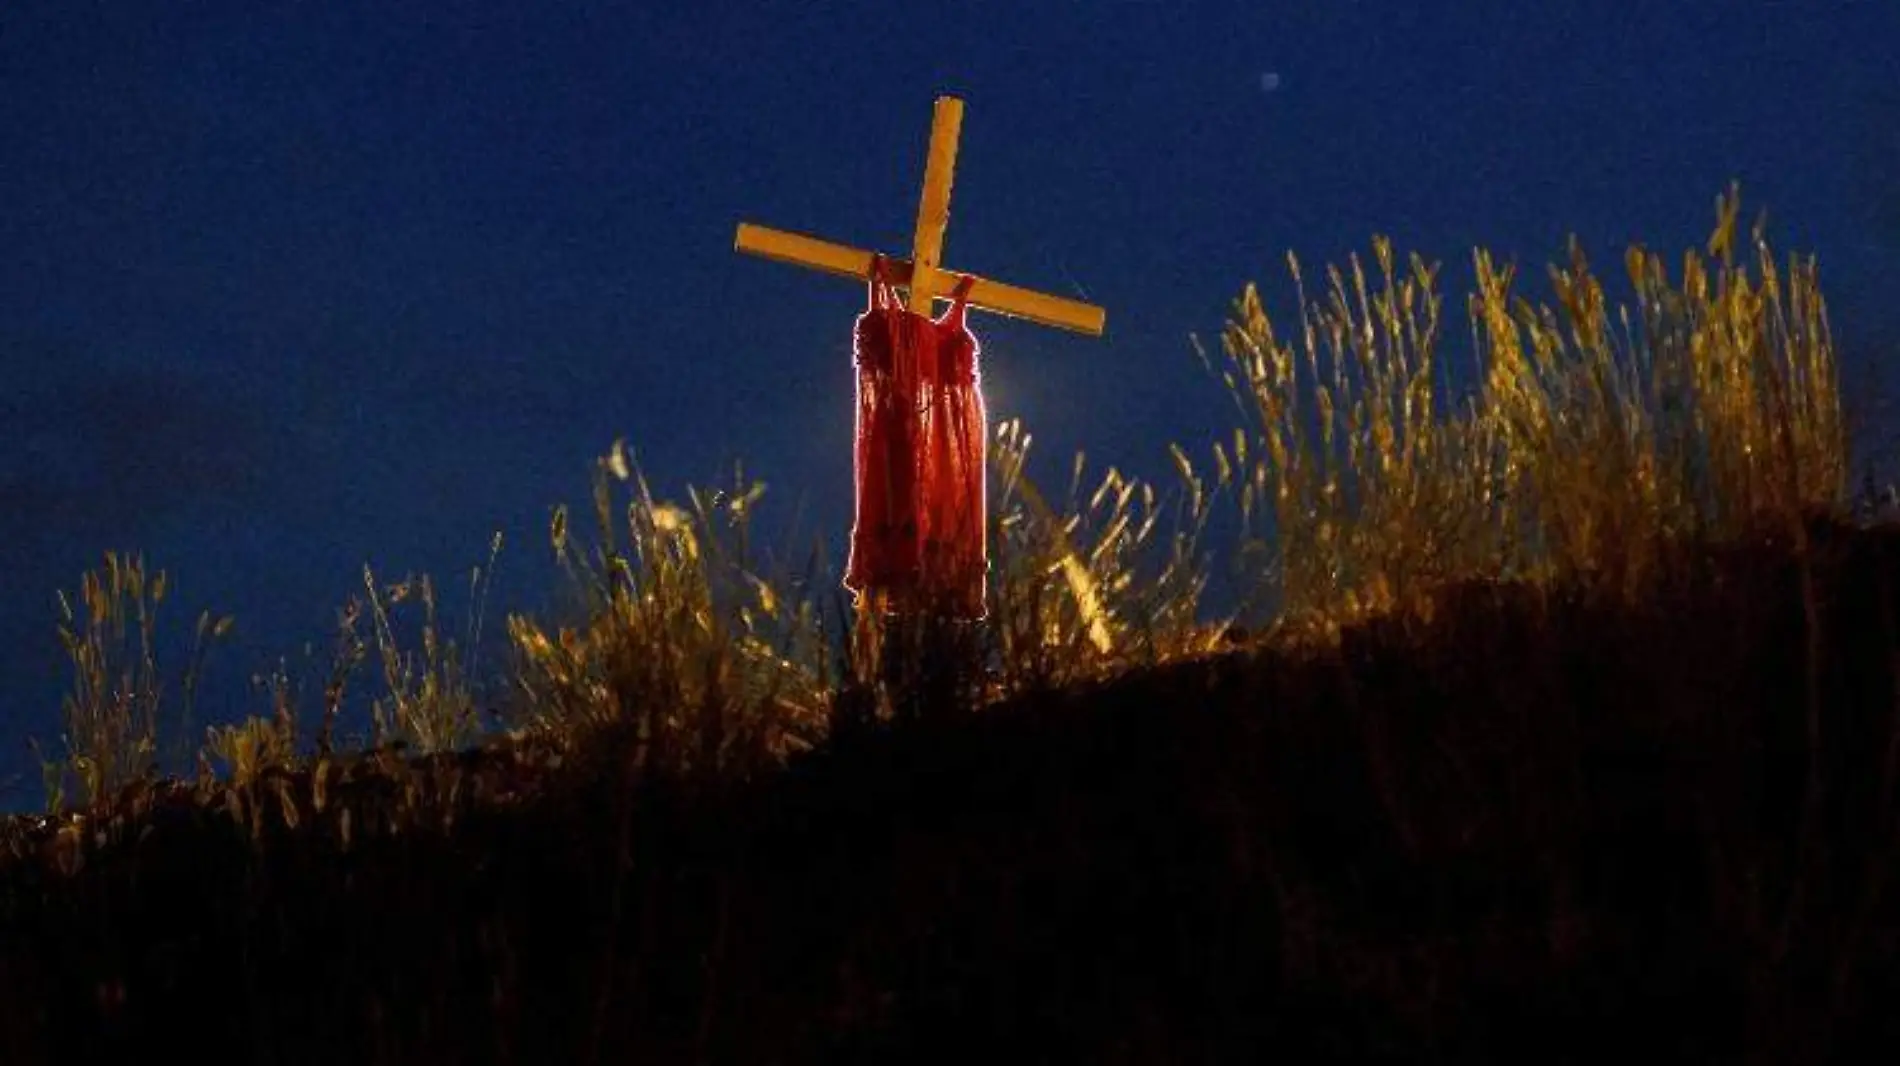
959,302
880,295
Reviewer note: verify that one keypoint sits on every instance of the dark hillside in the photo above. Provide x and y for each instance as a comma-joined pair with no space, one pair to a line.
1506,824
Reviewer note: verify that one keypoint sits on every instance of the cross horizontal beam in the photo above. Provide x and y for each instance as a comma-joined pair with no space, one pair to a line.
851,262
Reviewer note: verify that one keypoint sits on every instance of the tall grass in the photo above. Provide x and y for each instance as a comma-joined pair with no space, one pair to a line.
113,715
1113,579
1594,436
429,700
1586,440
706,662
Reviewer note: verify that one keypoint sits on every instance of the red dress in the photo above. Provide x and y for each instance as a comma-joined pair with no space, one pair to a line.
920,530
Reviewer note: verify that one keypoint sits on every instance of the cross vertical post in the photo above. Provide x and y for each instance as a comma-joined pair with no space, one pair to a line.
933,207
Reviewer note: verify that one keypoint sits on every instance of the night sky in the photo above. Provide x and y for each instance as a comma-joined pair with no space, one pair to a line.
290,287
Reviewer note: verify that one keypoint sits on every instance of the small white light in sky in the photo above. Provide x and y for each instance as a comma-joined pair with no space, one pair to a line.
1269,81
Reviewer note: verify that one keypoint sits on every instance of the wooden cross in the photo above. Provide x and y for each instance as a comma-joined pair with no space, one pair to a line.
922,275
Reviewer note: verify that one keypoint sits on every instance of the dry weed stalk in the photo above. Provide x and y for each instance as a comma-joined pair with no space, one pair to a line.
1097,585
429,700
1591,440
113,714
711,667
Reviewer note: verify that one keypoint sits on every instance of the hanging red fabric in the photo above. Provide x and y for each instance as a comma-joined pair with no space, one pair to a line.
920,532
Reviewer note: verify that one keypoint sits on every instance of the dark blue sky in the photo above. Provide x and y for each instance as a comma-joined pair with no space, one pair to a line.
288,287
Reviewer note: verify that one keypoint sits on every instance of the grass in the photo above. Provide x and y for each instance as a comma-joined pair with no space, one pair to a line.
1595,438
1583,646
702,660
111,716
1586,441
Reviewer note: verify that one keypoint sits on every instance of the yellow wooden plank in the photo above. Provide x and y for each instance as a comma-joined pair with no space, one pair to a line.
845,261
800,250
933,207
1033,306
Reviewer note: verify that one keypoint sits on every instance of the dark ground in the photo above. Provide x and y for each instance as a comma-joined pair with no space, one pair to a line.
1549,828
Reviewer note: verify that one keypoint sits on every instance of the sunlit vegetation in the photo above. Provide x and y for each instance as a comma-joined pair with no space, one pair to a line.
1598,435
111,714
1404,628
704,664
